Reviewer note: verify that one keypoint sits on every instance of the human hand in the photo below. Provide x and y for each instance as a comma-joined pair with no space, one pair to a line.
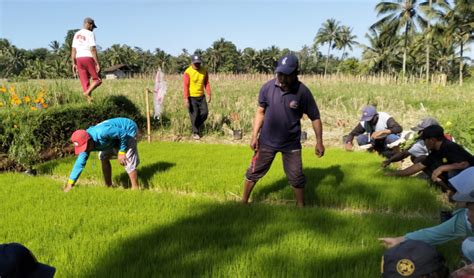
122,159
464,272
436,173
209,99
391,241
348,146
254,144
74,69
97,68
319,150
385,163
377,134
186,103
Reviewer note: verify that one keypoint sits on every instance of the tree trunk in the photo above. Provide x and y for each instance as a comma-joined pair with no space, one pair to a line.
461,63
405,51
327,58
428,42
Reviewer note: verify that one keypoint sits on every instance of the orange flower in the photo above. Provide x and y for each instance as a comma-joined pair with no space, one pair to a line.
45,105
33,108
26,99
3,89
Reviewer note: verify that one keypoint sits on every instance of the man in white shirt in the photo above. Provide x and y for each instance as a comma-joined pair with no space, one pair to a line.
84,57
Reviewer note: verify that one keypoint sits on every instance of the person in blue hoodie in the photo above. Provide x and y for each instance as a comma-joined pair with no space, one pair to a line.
113,137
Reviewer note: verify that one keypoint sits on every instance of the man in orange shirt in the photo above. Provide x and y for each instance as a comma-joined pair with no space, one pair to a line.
195,81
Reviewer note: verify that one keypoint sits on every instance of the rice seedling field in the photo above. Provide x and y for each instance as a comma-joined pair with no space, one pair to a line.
187,220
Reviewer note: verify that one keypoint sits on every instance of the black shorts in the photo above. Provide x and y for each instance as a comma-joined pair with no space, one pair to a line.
292,164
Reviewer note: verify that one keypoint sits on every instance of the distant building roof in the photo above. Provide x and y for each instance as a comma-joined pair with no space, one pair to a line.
122,67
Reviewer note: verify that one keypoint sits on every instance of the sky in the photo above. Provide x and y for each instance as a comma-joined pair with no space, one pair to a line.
184,24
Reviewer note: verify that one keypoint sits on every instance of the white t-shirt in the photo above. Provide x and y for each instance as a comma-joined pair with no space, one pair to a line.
381,123
83,41
418,149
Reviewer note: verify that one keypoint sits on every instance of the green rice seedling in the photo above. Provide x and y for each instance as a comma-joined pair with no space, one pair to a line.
102,232
339,179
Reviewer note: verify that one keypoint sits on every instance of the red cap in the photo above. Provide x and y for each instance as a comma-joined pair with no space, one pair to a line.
79,138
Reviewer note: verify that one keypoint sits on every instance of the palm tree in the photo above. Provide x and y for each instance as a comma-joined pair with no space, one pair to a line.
433,9
382,45
345,39
401,15
327,34
461,22
55,46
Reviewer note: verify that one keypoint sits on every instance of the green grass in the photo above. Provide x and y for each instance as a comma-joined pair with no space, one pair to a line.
188,222
339,179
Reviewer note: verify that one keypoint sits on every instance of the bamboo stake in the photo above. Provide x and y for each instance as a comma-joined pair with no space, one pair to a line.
148,124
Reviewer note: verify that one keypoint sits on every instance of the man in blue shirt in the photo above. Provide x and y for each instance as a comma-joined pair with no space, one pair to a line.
111,137
277,128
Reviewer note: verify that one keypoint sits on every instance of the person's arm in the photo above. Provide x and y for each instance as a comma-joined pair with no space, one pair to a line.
453,228
78,167
413,169
390,242
359,129
207,85
396,157
318,131
392,128
448,167
186,89
257,125
96,60
73,60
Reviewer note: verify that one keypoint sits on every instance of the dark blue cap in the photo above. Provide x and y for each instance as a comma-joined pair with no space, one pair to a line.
287,64
411,258
196,59
17,261
368,113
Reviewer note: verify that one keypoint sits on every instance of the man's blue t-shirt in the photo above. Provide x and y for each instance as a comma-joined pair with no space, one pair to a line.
281,128
106,135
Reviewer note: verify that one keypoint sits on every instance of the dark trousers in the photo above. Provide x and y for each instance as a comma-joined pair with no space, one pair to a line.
197,112
292,164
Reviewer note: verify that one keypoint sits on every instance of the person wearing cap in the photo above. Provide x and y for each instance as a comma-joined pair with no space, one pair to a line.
413,258
453,158
195,82
460,225
377,130
17,261
282,102
417,151
111,137
84,58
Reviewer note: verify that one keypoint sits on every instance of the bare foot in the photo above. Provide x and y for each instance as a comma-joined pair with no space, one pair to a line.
135,188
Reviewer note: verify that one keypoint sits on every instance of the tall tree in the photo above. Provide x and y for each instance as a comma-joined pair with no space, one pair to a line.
433,10
327,34
402,14
461,22
345,39
379,54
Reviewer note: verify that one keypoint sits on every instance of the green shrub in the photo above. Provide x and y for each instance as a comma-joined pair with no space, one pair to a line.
29,137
